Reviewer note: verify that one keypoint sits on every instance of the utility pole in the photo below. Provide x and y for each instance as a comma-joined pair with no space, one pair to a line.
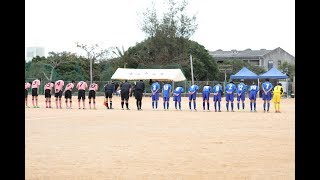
192,80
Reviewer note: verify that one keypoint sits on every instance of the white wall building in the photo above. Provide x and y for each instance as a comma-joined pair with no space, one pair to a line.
33,52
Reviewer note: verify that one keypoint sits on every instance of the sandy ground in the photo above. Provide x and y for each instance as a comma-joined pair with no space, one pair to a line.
119,144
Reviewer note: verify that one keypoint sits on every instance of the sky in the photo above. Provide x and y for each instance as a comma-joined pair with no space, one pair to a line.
57,25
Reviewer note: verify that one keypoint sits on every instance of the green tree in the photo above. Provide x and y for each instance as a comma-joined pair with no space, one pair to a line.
174,23
288,69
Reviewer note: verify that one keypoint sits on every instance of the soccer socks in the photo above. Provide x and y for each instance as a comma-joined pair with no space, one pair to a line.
190,105
156,104
180,105
137,103
208,105
254,105
152,104
110,104
215,105
231,106
194,105
243,105
268,106
164,105
227,105
251,106
219,105
175,104
140,104
167,104
127,105
264,106
204,105
238,105
122,103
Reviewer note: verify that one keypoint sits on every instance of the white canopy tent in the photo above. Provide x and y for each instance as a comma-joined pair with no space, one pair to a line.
174,75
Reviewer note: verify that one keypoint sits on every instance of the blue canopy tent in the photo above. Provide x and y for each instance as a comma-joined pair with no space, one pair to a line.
274,73
244,73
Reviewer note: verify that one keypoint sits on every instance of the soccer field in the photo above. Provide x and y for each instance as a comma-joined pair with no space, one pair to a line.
105,144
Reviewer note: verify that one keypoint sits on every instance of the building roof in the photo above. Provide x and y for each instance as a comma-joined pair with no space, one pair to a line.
248,53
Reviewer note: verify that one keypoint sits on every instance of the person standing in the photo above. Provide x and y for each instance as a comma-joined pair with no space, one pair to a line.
277,93
27,85
139,89
241,94
82,86
166,92
47,93
192,95
68,93
109,89
58,85
155,87
266,94
125,91
35,91
92,94
253,91
230,89
205,96
177,96
217,94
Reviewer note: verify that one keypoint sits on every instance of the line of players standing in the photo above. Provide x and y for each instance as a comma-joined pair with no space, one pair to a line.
139,88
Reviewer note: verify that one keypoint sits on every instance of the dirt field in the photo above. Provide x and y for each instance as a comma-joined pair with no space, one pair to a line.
119,144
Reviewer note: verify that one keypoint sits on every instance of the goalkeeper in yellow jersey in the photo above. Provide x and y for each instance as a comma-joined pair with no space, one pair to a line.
277,92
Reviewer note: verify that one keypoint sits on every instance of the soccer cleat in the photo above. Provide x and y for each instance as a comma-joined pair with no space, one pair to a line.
219,111
128,109
122,108
250,110
255,110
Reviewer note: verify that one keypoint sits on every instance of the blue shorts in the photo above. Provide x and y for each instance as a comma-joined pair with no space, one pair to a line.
155,97
205,95
217,97
229,97
267,97
177,98
166,98
253,96
192,96
241,97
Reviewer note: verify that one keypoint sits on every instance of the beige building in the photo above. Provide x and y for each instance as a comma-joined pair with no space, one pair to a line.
263,58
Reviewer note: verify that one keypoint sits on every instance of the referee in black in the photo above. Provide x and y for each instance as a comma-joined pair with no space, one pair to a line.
125,91
109,89
138,93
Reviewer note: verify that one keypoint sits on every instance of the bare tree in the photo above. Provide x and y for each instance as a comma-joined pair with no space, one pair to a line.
54,60
92,54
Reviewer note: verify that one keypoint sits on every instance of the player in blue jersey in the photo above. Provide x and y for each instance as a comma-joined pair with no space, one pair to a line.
253,91
241,93
155,87
177,96
166,92
192,94
205,96
266,94
217,93
230,89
